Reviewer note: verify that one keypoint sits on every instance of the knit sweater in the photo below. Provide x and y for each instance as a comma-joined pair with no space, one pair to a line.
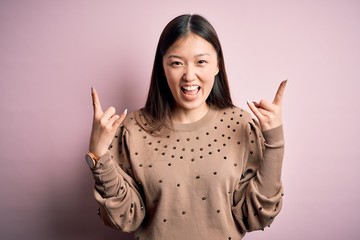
216,178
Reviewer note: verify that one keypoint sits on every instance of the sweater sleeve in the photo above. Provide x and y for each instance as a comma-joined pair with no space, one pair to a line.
258,196
119,197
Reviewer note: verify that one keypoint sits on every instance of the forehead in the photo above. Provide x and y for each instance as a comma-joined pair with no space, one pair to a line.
191,44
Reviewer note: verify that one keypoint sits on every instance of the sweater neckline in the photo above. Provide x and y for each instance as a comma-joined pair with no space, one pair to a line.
187,127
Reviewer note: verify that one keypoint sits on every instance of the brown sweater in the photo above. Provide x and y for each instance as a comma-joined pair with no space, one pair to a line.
216,178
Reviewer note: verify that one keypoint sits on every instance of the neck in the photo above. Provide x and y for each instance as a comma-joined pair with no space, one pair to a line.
180,115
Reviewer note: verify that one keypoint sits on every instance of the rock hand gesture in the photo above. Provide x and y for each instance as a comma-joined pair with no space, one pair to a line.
104,126
269,114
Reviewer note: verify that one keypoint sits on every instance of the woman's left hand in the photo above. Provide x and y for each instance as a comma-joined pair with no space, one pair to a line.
269,114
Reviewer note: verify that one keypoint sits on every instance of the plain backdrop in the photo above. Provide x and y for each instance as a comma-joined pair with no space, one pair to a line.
52,52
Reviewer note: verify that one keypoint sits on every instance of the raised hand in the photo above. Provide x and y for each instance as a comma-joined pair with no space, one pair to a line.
104,126
269,114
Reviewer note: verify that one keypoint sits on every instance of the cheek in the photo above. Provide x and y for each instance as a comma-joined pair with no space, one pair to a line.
208,78
173,77
172,82
209,73
169,78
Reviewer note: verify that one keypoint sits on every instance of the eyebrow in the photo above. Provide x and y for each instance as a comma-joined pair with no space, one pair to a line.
197,55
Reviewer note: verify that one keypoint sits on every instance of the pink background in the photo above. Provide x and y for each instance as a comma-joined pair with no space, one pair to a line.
52,52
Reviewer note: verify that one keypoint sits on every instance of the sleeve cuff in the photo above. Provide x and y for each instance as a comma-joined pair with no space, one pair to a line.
275,136
103,162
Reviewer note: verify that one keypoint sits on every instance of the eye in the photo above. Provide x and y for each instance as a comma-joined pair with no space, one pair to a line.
202,62
176,63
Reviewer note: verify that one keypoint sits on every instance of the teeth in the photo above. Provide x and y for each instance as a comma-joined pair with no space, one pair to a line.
190,88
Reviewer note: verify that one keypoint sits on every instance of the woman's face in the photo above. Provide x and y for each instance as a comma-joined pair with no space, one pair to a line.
190,66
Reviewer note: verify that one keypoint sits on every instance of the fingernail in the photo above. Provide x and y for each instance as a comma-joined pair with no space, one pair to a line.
249,102
92,89
125,111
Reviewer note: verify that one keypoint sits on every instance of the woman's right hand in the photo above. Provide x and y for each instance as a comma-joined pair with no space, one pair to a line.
104,126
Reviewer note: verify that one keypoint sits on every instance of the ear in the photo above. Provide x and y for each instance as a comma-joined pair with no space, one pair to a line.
217,67
217,71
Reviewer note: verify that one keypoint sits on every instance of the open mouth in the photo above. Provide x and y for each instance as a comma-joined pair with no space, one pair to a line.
190,90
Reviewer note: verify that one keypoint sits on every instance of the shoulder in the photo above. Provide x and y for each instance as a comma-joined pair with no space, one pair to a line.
130,119
237,118
235,113
136,120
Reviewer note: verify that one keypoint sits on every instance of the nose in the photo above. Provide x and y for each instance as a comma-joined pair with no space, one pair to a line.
189,73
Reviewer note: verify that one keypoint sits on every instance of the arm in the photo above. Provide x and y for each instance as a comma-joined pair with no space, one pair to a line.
118,195
119,198
269,116
258,198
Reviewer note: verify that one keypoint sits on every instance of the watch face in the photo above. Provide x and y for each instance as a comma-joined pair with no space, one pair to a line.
89,161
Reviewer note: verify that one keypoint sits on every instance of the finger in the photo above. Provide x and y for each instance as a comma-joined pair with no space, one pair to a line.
280,92
108,114
256,104
112,120
96,102
255,110
264,104
121,118
264,112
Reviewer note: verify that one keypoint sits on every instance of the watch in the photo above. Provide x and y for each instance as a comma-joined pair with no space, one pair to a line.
91,160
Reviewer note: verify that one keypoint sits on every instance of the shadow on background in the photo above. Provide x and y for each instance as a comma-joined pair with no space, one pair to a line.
72,213
72,209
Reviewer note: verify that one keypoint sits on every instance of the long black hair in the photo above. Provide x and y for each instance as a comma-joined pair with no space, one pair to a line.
160,100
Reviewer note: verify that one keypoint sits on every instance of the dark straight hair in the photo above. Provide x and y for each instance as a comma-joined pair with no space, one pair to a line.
160,100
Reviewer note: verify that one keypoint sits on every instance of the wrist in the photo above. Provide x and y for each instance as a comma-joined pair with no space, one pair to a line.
274,136
91,159
97,150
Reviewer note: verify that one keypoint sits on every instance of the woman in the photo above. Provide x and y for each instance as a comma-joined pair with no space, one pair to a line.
189,165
